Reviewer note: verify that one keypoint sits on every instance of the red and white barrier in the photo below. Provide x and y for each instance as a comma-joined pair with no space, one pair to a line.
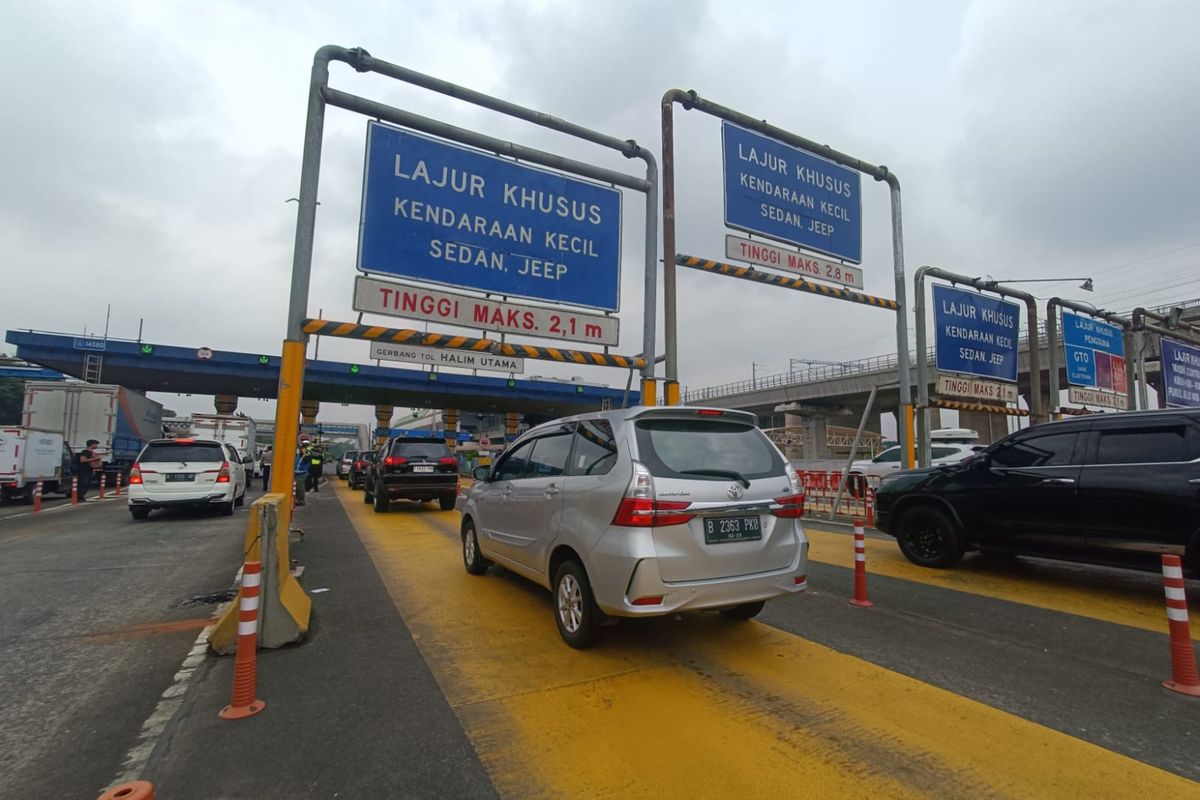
103,476
1184,678
245,676
118,492
860,567
37,497
74,490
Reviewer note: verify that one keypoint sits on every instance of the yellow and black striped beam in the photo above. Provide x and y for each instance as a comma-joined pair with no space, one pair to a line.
963,405
378,333
772,279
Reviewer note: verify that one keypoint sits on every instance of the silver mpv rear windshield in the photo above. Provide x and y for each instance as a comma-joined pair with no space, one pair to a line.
704,449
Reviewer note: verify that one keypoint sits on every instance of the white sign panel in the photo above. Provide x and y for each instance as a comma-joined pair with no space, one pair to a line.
811,267
441,357
974,387
1095,397
412,302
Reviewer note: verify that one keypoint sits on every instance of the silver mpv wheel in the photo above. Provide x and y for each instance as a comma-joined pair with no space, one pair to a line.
574,607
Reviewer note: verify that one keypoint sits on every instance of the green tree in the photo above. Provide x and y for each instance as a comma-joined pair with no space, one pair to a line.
12,392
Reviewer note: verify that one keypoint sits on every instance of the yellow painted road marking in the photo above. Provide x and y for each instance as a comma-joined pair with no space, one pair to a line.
1130,599
701,707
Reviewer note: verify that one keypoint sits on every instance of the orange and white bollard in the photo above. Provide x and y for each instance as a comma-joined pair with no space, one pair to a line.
135,790
103,476
118,492
860,567
1184,678
37,497
74,490
245,676
870,506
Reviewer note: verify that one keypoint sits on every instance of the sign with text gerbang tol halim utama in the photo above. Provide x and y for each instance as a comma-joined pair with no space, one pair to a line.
442,213
976,334
790,195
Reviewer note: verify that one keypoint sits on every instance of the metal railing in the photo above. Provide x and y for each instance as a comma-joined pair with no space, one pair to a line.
862,366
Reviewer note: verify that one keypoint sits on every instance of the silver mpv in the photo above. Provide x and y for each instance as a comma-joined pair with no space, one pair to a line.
641,512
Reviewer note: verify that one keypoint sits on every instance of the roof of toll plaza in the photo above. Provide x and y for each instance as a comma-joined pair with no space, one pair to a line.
152,367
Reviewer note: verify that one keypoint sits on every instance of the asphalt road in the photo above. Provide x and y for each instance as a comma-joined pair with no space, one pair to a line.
997,678
96,614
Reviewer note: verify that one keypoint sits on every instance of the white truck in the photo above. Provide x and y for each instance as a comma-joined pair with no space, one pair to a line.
120,419
232,429
28,456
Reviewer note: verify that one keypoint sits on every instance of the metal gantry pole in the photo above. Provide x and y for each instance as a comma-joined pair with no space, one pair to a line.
691,100
1054,342
1033,344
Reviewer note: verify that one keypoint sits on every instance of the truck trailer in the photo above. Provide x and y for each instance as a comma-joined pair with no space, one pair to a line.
120,419
28,457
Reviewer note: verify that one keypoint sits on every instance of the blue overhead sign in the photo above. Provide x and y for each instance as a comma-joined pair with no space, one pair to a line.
976,334
442,213
1181,373
93,345
1095,353
785,193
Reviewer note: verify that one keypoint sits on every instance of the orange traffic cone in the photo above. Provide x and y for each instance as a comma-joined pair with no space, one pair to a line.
860,567
136,790
1184,678
245,676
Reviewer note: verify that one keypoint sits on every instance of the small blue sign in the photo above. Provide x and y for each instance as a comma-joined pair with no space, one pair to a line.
1095,352
92,345
1181,373
785,193
976,334
438,212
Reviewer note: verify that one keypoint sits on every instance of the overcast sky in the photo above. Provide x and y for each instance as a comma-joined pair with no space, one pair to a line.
149,149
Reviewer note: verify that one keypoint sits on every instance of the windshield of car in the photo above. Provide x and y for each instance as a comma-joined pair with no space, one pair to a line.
701,449
368,455
174,451
414,451
350,455
888,456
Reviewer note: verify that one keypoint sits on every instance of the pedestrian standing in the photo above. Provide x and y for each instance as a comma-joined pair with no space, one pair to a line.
265,461
300,473
316,466
86,462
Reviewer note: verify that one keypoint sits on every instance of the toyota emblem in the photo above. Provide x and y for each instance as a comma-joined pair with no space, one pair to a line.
736,491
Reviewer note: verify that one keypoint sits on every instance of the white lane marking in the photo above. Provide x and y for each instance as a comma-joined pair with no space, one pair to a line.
65,506
164,712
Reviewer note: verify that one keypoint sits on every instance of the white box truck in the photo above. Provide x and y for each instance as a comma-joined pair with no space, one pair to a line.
120,419
27,457
231,429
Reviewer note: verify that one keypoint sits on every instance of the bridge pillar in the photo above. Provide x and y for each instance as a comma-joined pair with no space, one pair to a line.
450,423
990,427
226,403
383,419
308,411
511,420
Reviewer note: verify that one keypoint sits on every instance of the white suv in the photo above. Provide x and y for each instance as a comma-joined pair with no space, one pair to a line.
186,472
947,446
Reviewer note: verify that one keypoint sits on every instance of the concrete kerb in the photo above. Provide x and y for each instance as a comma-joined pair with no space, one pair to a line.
285,610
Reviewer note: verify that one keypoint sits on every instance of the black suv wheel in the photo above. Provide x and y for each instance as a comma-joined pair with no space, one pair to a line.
929,538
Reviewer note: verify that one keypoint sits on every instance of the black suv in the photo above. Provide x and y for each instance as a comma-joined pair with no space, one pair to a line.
1117,489
360,469
412,469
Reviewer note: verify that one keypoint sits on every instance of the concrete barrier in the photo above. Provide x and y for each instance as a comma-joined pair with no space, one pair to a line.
284,608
